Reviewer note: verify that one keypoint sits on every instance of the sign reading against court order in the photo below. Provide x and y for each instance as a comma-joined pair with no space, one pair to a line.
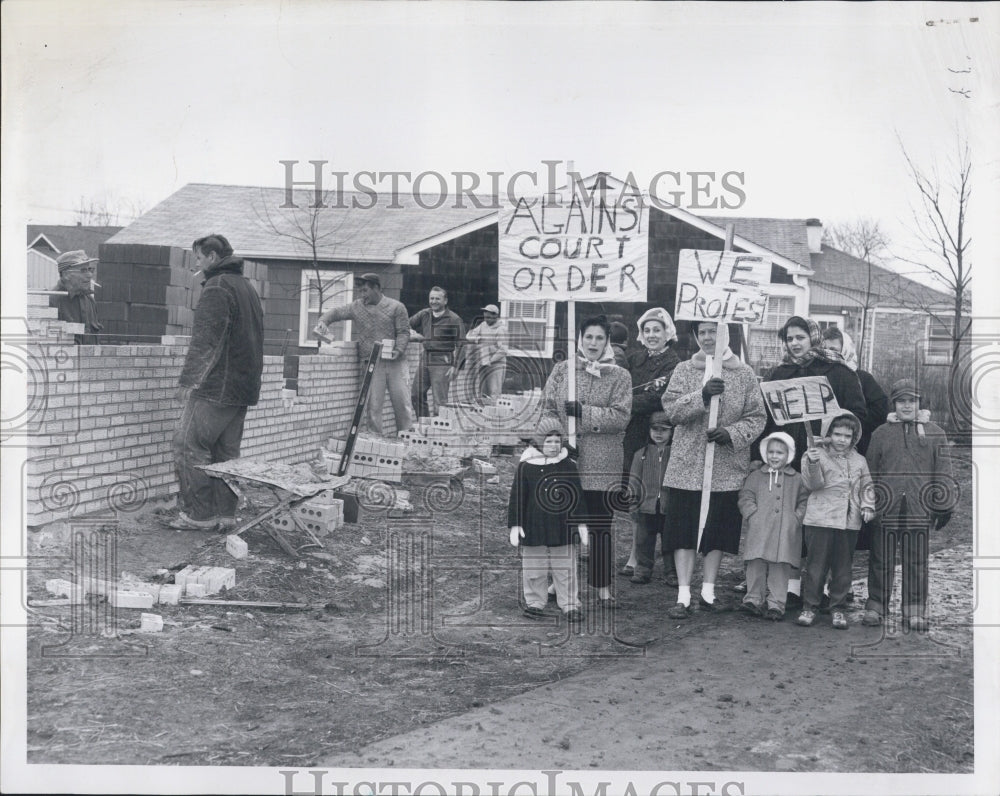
723,286
799,400
587,247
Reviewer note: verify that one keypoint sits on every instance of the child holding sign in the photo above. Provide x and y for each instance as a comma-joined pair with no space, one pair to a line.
841,496
773,503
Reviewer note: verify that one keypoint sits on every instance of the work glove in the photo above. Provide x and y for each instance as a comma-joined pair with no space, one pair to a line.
581,529
941,519
719,436
714,386
573,409
516,535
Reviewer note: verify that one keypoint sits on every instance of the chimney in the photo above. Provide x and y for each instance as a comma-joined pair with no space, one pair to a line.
814,235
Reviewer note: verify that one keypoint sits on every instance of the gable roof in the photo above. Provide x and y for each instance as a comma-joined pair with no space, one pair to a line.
59,238
842,279
256,225
785,236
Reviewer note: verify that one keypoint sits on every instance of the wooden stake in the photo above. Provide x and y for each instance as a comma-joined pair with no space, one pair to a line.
721,343
571,369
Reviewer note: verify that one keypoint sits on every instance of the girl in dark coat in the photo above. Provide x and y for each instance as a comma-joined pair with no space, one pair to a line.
545,498
651,369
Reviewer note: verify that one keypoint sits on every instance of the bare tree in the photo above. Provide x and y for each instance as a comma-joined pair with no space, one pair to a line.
939,224
311,229
108,213
865,240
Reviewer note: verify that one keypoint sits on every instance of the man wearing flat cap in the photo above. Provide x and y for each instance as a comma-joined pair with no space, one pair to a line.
378,318
490,339
76,278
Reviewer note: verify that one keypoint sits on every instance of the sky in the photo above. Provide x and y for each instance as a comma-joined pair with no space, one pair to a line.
122,103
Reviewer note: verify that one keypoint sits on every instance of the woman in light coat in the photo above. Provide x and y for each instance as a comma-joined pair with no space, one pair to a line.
741,419
602,408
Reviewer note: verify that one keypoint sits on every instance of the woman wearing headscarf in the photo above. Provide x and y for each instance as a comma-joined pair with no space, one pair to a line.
740,421
806,356
651,368
602,408
876,401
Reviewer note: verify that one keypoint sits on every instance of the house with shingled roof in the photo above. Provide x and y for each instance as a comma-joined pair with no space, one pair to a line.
47,241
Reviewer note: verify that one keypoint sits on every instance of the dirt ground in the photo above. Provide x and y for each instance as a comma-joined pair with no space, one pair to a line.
415,653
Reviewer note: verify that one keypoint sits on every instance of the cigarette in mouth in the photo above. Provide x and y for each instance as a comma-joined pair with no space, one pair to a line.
95,284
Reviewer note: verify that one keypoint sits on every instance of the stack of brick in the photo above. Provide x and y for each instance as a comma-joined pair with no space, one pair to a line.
372,457
44,320
211,580
459,429
152,290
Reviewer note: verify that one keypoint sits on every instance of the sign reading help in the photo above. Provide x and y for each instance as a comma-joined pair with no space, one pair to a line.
799,400
726,286
592,248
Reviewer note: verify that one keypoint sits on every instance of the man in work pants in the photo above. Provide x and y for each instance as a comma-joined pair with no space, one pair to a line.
442,333
220,379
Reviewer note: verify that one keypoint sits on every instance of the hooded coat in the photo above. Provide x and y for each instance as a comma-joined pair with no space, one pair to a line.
910,460
741,413
773,504
840,484
544,498
645,368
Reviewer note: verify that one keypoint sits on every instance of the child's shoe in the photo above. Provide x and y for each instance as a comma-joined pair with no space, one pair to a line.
751,608
917,624
774,615
717,605
574,615
871,618
533,613
679,611
806,618
840,620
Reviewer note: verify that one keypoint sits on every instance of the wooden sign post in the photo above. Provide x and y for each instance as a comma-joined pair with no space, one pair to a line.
724,287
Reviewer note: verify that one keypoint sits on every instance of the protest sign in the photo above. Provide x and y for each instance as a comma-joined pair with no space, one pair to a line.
726,286
590,247
799,400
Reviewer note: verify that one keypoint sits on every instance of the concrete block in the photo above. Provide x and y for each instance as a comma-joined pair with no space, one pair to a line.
195,590
236,547
125,598
181,578
150,623
170,594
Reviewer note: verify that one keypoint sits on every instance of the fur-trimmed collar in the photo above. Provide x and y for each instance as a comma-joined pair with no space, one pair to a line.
532,455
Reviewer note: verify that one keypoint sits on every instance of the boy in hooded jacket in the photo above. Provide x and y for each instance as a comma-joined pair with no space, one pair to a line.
773,504
840,498
545,497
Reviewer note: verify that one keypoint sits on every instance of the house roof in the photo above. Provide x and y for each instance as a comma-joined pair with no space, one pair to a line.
256,225
784,236
841,279
61,238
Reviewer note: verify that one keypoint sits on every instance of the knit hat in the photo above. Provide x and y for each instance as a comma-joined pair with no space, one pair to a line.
546,427
660,420
903,387
73,259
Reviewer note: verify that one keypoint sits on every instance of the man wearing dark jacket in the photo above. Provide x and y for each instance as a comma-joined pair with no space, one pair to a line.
442,333
220,379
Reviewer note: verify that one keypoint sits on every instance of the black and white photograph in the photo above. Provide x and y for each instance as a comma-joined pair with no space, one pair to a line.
488,399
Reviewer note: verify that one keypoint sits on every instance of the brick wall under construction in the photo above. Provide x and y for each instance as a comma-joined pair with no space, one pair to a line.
102,428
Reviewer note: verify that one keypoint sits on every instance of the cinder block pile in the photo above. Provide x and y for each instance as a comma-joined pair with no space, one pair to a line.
44,320
321,515
372,457
459,429
132,593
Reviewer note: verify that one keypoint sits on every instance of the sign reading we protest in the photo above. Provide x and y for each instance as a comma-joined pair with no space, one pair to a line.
725,286
591,248
799,400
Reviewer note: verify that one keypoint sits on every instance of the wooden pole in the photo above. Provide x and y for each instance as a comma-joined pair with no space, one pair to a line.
571,369
721,342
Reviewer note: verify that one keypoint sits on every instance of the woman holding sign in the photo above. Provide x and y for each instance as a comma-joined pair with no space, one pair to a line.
602,407
741,419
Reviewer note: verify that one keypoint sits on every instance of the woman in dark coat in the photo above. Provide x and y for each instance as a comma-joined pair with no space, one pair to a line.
651,369
806,356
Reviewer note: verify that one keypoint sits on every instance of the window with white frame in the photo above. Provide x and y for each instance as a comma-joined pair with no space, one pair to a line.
764,349
337,290
939,344
531,327
779,309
